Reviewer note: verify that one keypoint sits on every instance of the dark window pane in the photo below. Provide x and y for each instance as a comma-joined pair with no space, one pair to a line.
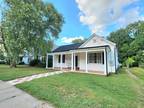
96,57
103,57
63,59
59,58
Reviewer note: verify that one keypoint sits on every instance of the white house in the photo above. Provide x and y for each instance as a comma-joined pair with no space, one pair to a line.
96,55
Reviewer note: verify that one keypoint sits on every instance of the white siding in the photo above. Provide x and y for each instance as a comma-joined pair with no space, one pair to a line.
90,66
95,41
64,65
112,56
82,61
112,60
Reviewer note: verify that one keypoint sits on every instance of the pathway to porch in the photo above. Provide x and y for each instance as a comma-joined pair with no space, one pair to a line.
29,78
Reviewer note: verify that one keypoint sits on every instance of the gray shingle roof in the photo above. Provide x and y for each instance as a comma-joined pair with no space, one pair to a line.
67,47
74,47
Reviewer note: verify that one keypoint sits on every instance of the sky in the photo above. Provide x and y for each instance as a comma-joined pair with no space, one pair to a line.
85,17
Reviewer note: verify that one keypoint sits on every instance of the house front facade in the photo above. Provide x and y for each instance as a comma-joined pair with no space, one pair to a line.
96,55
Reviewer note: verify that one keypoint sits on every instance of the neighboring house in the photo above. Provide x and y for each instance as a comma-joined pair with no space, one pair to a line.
26,57
96,55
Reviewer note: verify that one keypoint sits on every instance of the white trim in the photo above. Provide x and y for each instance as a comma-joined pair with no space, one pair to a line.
105,62
46,60
98,59
94,35
73,53
72,61
87,40
61,60
80,50
53,60
86,62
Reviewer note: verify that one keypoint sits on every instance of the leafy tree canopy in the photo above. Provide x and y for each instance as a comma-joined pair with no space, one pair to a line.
130,42
78,41
27,24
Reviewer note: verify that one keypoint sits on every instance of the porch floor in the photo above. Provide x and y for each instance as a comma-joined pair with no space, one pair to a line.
79,71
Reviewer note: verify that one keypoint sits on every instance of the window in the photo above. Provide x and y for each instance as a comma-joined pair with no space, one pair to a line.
96,58
91,58
59,58
63,59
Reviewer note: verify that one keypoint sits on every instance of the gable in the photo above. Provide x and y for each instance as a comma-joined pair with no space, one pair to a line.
95,40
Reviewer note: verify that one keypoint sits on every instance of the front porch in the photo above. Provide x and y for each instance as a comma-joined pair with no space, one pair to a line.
85,61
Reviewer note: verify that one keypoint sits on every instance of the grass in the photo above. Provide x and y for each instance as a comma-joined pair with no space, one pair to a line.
7,73
75,90
139,72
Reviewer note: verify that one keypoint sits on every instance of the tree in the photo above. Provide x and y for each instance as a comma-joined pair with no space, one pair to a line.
2,57
137,45
27,24
78,41
122,40
139,58
129,62
130,42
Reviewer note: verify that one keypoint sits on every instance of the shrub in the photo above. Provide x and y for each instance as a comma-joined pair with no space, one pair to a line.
2,62
129,62
21,63
41,64
141,65
135,64
34,62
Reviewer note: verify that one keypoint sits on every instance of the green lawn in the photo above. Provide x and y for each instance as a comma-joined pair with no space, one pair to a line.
139,72
75,90
7,73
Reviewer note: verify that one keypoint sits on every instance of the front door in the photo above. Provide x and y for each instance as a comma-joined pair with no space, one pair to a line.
76,62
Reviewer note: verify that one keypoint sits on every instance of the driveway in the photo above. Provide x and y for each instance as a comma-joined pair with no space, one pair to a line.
12,97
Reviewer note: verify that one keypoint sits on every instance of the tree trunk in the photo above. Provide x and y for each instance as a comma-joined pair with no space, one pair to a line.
13,63
128,66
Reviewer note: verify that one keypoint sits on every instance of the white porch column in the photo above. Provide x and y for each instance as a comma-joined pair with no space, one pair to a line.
72,61
46,60
105,62
86,62
53,60
61,61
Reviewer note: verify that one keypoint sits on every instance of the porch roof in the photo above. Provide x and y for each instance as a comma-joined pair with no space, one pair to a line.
74,47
